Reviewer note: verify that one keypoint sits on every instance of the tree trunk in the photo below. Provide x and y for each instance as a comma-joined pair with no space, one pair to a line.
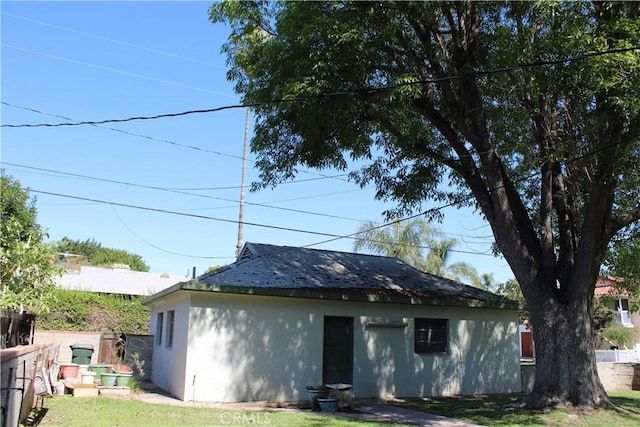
565,356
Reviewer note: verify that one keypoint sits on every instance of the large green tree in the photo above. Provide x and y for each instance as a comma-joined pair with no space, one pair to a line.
527,111
28,273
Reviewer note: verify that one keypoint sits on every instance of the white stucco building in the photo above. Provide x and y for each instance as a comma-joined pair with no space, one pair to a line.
119,279
282,318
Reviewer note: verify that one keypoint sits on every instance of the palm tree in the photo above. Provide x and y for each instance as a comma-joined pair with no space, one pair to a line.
437,262
403,239
407,240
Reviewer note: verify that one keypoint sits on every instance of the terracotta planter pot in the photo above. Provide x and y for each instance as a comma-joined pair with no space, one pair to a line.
122,369
69,370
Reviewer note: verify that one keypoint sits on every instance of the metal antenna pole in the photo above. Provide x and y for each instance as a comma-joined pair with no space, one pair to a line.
244,172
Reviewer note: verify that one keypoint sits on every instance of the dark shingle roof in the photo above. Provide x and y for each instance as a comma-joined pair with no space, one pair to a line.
284,270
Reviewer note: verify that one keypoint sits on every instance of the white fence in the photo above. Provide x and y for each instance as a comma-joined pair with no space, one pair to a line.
617,356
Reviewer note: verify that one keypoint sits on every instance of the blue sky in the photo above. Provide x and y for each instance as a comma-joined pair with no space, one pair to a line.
108,60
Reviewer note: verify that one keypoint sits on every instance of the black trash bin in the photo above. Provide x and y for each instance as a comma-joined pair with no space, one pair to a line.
81,354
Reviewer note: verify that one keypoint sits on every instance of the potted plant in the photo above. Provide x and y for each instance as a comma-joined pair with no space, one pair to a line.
315,392
343,393
328,404
108,379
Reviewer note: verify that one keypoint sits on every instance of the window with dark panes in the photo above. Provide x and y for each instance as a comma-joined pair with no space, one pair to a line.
431,335
622,304
159,322
170,320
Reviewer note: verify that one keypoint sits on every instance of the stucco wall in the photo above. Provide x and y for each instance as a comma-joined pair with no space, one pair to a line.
244,348
65,339
169,363
613,376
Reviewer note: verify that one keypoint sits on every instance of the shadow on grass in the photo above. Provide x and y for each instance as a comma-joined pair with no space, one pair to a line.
35,416
496,411
626,404
483,410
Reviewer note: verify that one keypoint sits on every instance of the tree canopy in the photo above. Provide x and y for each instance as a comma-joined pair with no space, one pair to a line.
28,271
527,111
93,253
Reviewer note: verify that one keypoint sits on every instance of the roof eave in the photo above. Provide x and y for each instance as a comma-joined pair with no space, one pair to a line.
332,294
175,288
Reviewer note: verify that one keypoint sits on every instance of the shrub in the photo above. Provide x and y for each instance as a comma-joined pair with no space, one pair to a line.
93,312
619,335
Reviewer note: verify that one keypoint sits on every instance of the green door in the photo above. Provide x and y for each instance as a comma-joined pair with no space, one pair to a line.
337,354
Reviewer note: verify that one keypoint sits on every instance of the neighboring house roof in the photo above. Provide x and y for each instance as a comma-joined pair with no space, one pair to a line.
117,280
607,285
264,269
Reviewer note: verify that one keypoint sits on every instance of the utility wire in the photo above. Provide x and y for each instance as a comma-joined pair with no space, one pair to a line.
367,90
114,70
334,237
173,190
466,198
192,147
145,208
124,43
158,247
362,91
129,184
179,189
273,227
130,119
166,141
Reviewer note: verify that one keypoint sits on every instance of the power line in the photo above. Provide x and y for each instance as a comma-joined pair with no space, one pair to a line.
361,91
264,205
124,43
177,144
105,202
333,237
130,119
274,227
113,70
129,184
158,247
468,197
192,147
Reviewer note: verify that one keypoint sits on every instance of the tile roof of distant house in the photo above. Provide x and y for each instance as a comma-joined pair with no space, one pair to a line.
607,285
292,271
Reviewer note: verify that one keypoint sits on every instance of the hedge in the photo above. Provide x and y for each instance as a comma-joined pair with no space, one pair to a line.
94,312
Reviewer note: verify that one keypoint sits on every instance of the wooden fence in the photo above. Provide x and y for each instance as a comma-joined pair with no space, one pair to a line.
17,328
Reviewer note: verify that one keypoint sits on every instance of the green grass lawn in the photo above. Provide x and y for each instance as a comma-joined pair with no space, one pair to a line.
112,411
490,411
487,411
